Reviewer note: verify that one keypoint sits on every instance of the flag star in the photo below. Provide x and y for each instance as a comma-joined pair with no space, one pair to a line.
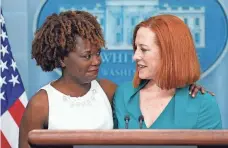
4,50
2,21
2,96
14,80
2,81
3,35
13,65
3,65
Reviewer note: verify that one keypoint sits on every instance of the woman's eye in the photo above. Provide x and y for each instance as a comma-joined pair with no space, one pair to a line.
144,49
88,56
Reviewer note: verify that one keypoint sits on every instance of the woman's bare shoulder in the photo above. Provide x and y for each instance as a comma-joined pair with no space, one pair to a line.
109,88
37,106
39,100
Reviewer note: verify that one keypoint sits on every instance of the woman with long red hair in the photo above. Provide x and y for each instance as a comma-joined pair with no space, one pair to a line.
166,65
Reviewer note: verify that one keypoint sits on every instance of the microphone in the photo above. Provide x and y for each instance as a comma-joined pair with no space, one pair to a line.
141,120
126,119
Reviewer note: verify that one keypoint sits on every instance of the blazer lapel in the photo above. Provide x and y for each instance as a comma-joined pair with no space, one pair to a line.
132,100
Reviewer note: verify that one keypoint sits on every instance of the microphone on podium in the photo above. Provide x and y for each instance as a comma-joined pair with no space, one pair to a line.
141,120
126,119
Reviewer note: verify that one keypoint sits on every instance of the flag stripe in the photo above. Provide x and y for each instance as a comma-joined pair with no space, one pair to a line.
16,111
10,129
12,93
24,99
4,142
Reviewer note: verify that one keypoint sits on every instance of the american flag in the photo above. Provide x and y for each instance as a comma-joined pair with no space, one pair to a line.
12,94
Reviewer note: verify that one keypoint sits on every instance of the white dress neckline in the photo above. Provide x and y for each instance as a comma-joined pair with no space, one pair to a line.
91,111
89,96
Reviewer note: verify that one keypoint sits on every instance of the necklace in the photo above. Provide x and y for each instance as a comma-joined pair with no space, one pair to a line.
81,101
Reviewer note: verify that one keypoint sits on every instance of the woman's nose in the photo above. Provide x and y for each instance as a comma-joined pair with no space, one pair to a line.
137,56
96,60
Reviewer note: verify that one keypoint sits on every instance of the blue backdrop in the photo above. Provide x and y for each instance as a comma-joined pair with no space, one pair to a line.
206,19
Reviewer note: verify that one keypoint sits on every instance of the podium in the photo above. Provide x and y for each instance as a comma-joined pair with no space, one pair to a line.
128,138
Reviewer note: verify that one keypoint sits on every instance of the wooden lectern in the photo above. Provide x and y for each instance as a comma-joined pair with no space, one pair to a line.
128,138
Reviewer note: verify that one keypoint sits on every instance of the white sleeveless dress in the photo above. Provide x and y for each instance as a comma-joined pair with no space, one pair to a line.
91,111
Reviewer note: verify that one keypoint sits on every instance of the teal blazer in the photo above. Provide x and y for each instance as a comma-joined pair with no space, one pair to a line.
182,112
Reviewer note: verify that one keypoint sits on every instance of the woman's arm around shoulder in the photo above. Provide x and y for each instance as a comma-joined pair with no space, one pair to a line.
209,116
109,88
34,117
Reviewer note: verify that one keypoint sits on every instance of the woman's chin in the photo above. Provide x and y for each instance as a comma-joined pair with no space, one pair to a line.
142,76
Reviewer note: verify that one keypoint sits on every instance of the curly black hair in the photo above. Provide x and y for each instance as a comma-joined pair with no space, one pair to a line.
57,37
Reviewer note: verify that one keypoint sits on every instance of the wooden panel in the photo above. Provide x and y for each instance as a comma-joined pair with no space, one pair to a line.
129,137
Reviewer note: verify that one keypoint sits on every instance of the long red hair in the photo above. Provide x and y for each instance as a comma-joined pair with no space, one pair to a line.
179,63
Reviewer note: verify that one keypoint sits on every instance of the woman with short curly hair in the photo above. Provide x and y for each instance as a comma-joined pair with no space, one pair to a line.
71,41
